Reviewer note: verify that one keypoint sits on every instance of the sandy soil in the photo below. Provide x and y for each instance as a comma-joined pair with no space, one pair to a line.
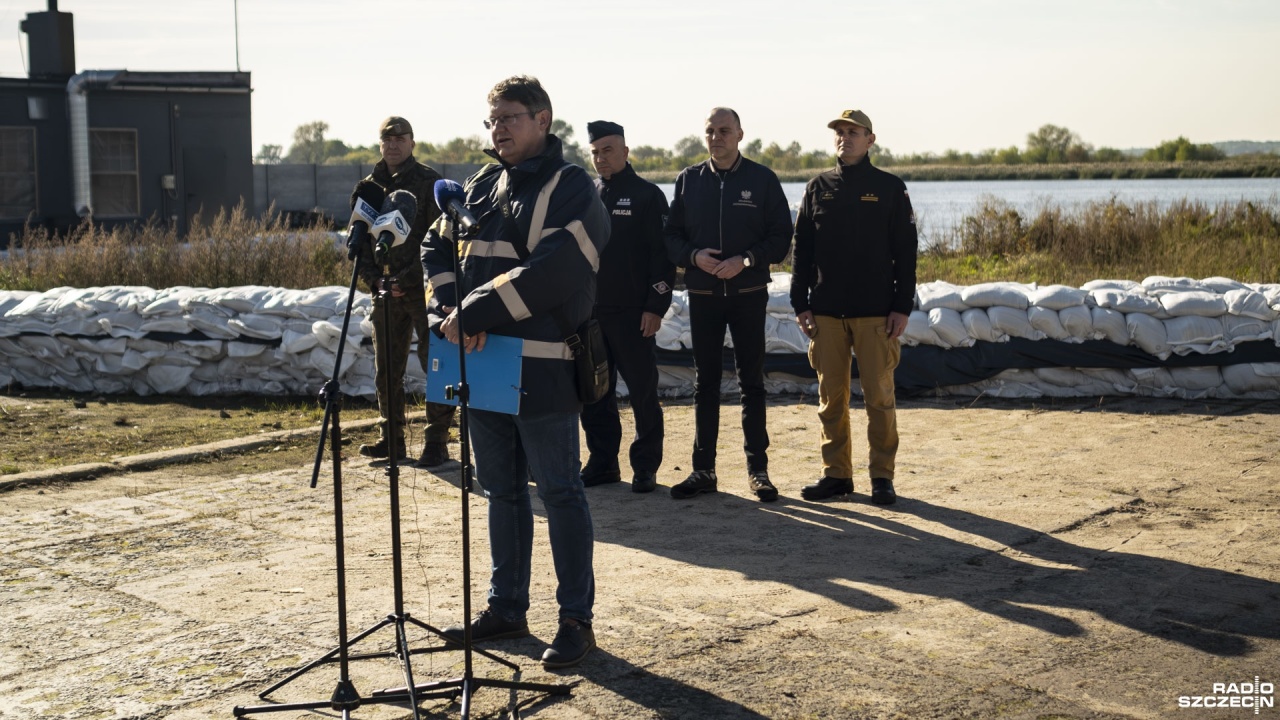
1063,560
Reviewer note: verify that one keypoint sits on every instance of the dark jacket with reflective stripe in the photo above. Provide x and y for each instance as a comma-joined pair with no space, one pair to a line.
739,212
855,244
504,295
404,259
634,270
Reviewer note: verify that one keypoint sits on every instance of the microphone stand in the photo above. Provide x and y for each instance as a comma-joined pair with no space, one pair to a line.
468,683
345,697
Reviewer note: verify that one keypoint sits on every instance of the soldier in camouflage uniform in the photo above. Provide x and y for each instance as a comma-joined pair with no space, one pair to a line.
398,170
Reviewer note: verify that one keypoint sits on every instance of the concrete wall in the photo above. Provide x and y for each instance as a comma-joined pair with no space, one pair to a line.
326,189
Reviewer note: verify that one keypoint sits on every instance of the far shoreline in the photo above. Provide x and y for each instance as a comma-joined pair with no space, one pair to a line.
1255,167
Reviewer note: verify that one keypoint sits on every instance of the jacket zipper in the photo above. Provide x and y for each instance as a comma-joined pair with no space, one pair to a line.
724,282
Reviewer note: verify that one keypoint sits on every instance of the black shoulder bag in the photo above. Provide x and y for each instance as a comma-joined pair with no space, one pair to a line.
590,358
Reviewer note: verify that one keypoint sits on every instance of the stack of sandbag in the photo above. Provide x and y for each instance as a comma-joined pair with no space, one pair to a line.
184,340
1163,316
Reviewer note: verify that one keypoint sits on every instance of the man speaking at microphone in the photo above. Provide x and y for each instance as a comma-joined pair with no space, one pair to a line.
399,170
531,269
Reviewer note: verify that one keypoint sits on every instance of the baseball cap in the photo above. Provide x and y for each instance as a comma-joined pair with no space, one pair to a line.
857,117
394,125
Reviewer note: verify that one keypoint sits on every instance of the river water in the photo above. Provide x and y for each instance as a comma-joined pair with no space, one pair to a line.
940,206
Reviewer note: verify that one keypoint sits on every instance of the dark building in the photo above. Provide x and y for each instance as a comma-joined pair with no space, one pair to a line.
114,145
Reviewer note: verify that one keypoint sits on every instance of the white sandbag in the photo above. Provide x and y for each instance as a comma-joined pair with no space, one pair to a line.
668,337
779,302
1252,377
1148,334
1121,285
240,299
44,347
166,379
995,294
1078,322
287,302
1012,322
242,350
1196,378
1191,333
170,301
1194,302
1160,284
1126,302
1247,302
939,294
1057,297
1071,382
9,299
165,324
1244,329
788,338
948,328
918,331
1120,380
1157,381
1045,320
679,305
297,342
203,350
1110,325
1222,285
263,327
978,326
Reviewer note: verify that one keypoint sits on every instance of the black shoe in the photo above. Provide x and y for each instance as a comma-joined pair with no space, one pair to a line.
381,450
644,482
593,474
698,482
434,454
573,641
761,486
882,491
593,478
488,626
827,487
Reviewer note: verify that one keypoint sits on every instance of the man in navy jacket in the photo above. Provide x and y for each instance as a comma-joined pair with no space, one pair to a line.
516,277
729,220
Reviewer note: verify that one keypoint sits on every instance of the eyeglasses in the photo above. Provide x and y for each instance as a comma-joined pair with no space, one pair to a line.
504,120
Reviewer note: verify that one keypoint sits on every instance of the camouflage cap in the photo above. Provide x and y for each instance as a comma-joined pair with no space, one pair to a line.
857,117
394,125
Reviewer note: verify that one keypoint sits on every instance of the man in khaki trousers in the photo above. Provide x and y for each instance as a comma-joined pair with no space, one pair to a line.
852,290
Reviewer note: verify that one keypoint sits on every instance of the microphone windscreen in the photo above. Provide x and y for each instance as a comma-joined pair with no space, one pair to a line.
446,190
404,201
370,192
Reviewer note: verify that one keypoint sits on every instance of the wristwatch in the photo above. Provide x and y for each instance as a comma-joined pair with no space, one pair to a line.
746,260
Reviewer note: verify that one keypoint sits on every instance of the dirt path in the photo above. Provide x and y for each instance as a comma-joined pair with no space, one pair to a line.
1071,560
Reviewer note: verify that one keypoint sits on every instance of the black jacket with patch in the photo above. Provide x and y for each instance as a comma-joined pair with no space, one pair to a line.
634,269
855,244
741,211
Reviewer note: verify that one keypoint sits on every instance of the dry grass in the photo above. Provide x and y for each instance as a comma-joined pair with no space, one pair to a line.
234,249
1109,239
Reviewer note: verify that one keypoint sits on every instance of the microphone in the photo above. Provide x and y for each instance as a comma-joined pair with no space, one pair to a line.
365,201
392,226
451,198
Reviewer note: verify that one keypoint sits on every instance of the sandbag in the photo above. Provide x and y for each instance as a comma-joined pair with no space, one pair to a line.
1078,322
939,294
1126,302
949,329
995,294
1057,297
1012,322
1148,334
978,326
1046,321
1194,302
1247,302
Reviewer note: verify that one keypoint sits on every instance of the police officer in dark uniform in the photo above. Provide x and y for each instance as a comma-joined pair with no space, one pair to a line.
399,170
633,292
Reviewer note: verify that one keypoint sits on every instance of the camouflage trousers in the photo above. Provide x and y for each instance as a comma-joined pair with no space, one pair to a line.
407,316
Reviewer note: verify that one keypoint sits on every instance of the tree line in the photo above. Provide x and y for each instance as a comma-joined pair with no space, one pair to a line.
1048,145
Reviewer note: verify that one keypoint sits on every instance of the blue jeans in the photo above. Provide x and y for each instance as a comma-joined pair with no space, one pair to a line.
511,449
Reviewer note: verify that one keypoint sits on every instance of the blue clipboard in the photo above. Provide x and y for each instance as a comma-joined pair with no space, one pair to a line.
493,374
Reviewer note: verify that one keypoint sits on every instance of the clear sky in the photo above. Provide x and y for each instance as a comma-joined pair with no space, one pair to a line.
932,74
